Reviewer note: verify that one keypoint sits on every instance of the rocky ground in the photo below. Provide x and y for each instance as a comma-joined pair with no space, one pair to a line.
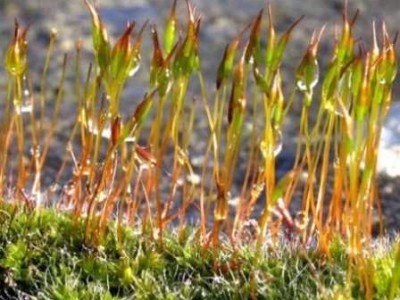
221,21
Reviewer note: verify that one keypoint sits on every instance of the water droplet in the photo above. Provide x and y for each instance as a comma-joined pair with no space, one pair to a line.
101,197
106,131
256,189
197,161
301,85
179,181
93,128
345,82
263,148
24,105
308,77
168,87
193,179
219,216
234,201
301,220
134,70
168,73
144,166
54,188
35,151
278,142
334,107
251,59
277,146
69,189
336,163
21,108
130,139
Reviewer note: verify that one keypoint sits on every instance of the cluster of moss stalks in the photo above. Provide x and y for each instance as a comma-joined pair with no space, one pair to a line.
133,179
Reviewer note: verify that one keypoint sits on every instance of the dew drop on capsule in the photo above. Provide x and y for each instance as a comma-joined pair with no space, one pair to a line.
301,85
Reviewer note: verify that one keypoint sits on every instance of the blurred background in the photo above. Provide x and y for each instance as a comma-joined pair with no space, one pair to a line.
222,20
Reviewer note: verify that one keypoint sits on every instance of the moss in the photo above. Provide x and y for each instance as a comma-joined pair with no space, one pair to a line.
42,254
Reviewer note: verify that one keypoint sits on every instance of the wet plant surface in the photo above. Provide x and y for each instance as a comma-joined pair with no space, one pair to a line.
141,124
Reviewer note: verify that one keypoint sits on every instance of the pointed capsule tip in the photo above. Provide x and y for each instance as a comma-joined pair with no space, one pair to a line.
344,11
173,9
396,35
270,19
354,19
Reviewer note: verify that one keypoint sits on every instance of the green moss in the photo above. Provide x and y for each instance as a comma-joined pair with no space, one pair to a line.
42,254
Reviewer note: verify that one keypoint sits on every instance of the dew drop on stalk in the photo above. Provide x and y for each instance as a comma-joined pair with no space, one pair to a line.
263,149
301,220
169,86
130,139
93,128
54,188
106,131
25,104
86,170
337,110
167,73
276,148
333,106
251,59
197,161
101,197
340,109
25,107
134,70
180,181
278,142
35,152
143,166
219,216
193,179
128,191
256,189
336,163
181,158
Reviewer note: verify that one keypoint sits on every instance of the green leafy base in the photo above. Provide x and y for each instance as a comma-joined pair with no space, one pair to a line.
42,256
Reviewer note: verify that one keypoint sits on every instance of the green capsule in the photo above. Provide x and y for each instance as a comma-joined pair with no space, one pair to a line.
143,109
253,50
101,44
170,30
16,59
363,99
121,57
307,73
157,60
